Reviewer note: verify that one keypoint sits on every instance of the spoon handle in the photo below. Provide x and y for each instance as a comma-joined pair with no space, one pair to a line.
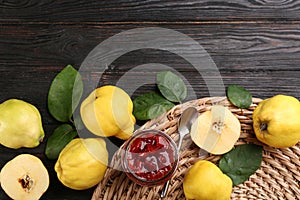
187,118
166,185
165,189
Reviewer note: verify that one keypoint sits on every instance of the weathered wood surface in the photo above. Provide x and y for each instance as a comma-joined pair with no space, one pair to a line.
254,43
147,10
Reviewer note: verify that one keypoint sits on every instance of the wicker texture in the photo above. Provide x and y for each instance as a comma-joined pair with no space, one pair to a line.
277,178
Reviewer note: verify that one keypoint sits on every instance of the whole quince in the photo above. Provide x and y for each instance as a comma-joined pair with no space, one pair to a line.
107,111
276,121
20,124
205,181
82,163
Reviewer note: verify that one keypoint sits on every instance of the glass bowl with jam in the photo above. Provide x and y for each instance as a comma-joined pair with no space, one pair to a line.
150,157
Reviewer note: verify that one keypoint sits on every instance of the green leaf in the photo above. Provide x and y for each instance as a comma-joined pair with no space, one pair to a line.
61,136
171,86
150,105
64,94
240,163
239,96
78,123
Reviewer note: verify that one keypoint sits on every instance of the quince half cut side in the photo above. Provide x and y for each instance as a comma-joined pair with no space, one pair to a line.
24,177
216,130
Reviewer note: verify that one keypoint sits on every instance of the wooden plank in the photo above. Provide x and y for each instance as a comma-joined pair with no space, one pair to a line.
31,55
147,10
245,46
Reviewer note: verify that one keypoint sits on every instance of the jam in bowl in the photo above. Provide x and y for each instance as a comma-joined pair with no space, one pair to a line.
150,157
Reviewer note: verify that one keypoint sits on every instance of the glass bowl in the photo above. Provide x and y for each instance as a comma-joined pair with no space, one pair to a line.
150,157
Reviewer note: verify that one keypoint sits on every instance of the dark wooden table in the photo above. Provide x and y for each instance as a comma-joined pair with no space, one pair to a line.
254,43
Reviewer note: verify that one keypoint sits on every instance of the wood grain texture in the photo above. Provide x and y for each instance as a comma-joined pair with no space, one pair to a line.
254,43
240,46
245,53
147,10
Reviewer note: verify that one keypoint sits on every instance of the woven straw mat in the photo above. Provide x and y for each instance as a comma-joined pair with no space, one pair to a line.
277,178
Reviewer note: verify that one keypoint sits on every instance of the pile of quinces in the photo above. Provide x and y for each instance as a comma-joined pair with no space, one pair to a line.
106,112
82,163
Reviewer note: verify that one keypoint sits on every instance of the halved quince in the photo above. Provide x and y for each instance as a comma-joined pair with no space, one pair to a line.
24,177
216,130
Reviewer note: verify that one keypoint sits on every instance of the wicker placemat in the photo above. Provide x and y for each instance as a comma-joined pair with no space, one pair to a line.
277,178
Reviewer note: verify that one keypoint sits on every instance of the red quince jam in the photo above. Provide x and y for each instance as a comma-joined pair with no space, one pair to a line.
151,157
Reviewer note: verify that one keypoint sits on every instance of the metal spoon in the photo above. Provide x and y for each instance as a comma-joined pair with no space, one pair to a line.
186,120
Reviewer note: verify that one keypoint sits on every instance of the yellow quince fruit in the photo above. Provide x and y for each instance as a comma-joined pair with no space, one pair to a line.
276,121
82,163
205,181
20,124
107,111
